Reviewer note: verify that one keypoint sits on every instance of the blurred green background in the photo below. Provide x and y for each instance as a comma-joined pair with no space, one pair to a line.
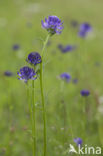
20,23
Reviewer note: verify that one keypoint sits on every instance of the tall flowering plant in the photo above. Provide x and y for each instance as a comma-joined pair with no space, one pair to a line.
53,25
26,74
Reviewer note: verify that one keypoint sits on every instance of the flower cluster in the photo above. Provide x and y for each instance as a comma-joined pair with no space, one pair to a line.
85,92
84,29
34,58
53,25
65,76
26,73
78,141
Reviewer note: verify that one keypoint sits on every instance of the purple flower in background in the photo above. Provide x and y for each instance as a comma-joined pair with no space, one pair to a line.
78,141
16,47
8,73
65,49
26,73
34,58
85,92
53,25
84,29
75,81
65,76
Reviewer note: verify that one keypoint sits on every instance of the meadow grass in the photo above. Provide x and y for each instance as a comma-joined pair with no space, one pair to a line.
20,23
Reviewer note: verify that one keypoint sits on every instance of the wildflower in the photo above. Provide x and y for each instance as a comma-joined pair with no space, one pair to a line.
78,141
85,92
84,29
34,58
65,76
53,25
67,48
8,73
16,47
26,73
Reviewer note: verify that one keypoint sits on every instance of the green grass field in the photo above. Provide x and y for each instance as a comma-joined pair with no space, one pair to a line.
20,23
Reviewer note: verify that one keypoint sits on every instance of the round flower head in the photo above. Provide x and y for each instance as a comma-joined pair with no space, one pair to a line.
53,25
65,76
84,29
85,92
8,73
26,73
78,141
34,58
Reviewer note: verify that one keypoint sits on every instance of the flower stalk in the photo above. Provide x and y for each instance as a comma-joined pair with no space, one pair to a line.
42,94
34,121
32,115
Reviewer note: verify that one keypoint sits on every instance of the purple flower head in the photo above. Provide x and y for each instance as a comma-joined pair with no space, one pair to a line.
16,47
84,29
65,76
53,25
34,58
78,141
26,73
67,48
85,92
8,73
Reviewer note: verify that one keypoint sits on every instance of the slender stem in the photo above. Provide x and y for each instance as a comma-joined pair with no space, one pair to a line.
44,46
30,111
42,94
34,130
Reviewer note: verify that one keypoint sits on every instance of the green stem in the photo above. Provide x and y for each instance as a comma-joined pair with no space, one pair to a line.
42,94
34,130
30,111
44,46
